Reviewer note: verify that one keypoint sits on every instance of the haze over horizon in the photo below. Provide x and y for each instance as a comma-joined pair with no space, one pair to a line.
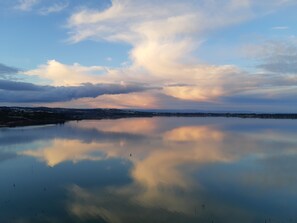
194,55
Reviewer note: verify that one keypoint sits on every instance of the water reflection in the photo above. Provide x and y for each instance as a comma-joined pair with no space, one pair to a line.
151,170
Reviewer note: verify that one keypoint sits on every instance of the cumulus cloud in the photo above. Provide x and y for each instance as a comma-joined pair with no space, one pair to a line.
60,74
164,36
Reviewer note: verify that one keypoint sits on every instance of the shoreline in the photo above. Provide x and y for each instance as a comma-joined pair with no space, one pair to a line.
20,116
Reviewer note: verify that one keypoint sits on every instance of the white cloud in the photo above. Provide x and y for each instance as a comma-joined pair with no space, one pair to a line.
276,56
109,59
55,8
139,20
163,36
26,5
41,7
65,75
280,27
136,21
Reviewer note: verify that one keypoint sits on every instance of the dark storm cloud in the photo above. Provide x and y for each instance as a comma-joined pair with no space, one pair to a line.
281,64
279,57
21,92
6,70
18,86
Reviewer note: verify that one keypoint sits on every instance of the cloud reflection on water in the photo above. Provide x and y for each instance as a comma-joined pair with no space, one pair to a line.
176,168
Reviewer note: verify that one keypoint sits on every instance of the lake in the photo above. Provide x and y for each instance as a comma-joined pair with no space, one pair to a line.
150,170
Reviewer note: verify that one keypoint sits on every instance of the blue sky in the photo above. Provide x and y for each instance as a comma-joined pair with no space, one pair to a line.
204,55
30,39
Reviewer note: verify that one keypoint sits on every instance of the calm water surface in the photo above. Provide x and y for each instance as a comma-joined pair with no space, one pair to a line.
150,170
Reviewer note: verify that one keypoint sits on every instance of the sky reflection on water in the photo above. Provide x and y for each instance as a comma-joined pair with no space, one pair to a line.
150,170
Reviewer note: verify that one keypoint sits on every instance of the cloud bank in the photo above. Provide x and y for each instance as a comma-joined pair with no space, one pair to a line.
7,70
20,92
165,38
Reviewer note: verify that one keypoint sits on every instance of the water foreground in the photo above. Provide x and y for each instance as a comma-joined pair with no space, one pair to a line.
150,170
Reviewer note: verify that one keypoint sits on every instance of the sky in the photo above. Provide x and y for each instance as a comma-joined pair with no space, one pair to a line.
210,55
